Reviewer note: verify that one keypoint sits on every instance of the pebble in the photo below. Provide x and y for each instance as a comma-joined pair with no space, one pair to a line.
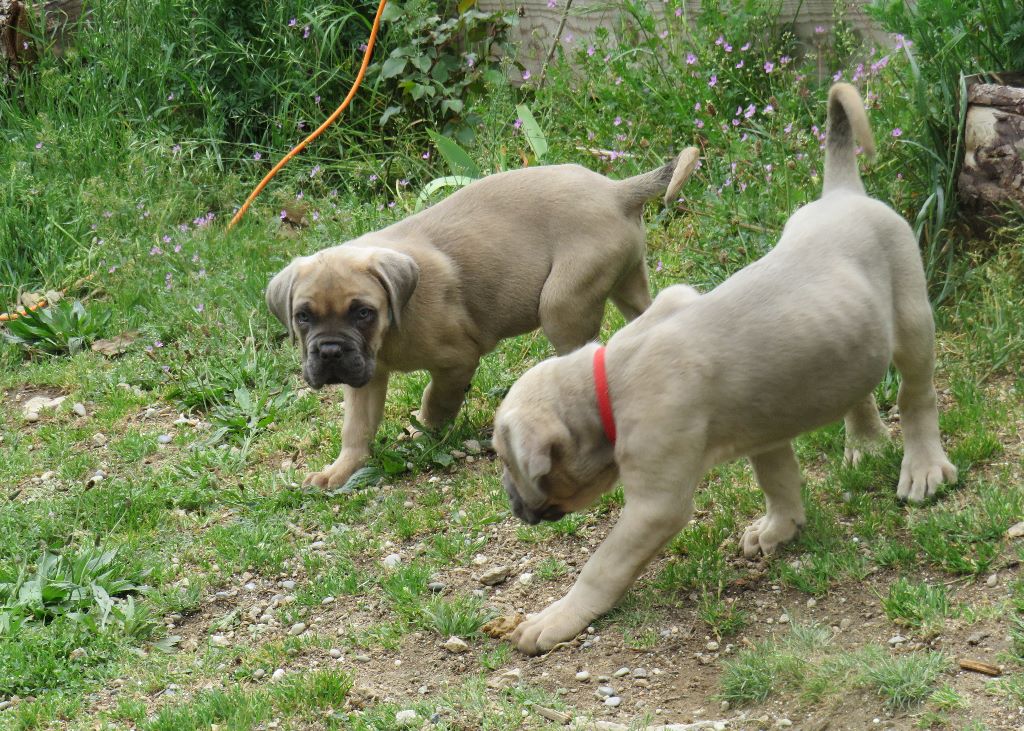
783,723
712,646
95,479
583,676
525,579
494,576
605,691
436,587
725,706
392,561
976,637
278,674
897,640
784,619
845,623
297,629
621,672
456,645
79,409
99,439
32,417
479,559
220,641
259,673
640,673
4,705
612,701
362,658
472,446
335,653
514,674
992,580
407,717
328,600
812,603
288,585
164,439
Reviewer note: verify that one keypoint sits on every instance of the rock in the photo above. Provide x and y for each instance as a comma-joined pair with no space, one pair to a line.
1016,530
479,559
77,654
297,629
456,645
288,585
278,674
725,706
525,579
457,454
712,646
79,409
37,403
31,416
472,446
812,603
494,576
784,619
845,623
583,676
436,587
99,439
897,640
976,638
4,705
992,580
327,600
515,674
259,673
362,658
164,439
406,718
335,653
605,691
640,673
220,641
613,701
392,561
783,723
95,479
621,672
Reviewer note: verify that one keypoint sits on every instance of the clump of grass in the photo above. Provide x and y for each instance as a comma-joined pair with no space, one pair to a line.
723,618
918,604
65,327
906,680
459,616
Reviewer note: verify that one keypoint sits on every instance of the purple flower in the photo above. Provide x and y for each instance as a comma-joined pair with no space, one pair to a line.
373,177
176,149
897,132
201,274
167,281
195,258
728,48
170,97
700,123
751,110
590,50
720,40
618,80
316,215
768,67
659,267
735,123
617,121
837,75
167,238
788,128
391,204
108,214
156,251
298,196
24,45
552,4
158,343
305,32
697,107
526,74
112,269
200,307
745,46
679,11
39,145
292,23
470,61
714,80
740,64
691,59
402,182
784,60
426,155
316,100
819,29
768,109
177,248
517,124
664,34
257,156
315,171
284,215
879,64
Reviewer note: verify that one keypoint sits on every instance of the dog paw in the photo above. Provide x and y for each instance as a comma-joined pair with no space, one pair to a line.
560,622
328,478
855,453
921,476
766,534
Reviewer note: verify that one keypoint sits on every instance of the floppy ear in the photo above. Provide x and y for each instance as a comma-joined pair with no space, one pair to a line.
398,274
279,297
537,446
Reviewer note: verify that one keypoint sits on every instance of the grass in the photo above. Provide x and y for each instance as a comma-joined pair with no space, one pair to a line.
203,429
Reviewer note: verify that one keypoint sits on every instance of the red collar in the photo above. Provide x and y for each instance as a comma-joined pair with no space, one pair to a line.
604,399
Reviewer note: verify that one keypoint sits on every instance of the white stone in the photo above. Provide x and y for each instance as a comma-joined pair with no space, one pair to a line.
278,674
612,701
392,561
335,653
406,718
620,672
583,676
712,646
456,645
220,641
79,409
297,629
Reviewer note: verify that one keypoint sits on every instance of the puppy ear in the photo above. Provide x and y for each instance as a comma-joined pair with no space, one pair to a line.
398,274
279,297
538,446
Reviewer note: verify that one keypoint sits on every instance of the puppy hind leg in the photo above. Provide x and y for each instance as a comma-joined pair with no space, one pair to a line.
632,294
569,316
865,430
445,394
925,465
778,474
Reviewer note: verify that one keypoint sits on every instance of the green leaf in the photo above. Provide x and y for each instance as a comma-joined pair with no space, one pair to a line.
449,181
459,161
452,105
388,114
393,67
534,134
444,459
392,462
465,5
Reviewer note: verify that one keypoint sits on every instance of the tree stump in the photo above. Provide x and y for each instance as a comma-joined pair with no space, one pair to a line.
55,18
992,175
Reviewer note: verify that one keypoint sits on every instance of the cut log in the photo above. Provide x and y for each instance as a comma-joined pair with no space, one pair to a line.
57,19
992,174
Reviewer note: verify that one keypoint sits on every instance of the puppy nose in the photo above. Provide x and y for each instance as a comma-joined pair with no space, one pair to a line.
330,350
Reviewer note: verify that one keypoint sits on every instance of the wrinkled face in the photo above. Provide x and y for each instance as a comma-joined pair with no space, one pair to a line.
339,322
548,472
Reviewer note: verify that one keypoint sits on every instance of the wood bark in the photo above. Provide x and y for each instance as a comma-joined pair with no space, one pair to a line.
55,18
993,169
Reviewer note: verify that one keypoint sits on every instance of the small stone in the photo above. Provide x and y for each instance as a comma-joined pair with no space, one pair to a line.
288,585
407,718
784,619
583,676
259,673
712,646
392,561
897,640
456,645
4,705
287,464
783,723
79,409
32,416
99,439
845,623
479,559
621,672
77,654
1016,530
297,629
613,701
976,638
472,446
362,658
278,674
812,603
436,587
640,673
220,641
458,454
164,439
605,691
494,576
327,600
725,706
525,579
514,674
335,653
992,580
95,479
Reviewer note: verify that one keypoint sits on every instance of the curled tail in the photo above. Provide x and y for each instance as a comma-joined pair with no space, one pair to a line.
665,181
847,125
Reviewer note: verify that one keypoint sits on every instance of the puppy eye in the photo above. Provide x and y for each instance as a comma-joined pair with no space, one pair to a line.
364,313
302,317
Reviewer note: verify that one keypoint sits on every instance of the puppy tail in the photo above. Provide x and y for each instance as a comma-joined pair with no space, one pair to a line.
847,125
665,181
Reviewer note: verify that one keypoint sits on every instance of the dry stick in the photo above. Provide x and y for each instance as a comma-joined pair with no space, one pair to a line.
554,44
978,666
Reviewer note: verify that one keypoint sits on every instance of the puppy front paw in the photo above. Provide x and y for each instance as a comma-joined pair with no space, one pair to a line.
921,475
856,450
560,622
765,535
328,478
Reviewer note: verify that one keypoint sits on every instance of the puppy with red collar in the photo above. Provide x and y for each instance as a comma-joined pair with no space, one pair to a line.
794,341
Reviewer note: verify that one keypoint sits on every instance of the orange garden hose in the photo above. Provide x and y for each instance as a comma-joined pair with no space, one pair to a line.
21,312
327,123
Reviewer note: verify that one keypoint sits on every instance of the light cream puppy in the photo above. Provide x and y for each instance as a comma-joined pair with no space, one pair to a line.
794,341
544,246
